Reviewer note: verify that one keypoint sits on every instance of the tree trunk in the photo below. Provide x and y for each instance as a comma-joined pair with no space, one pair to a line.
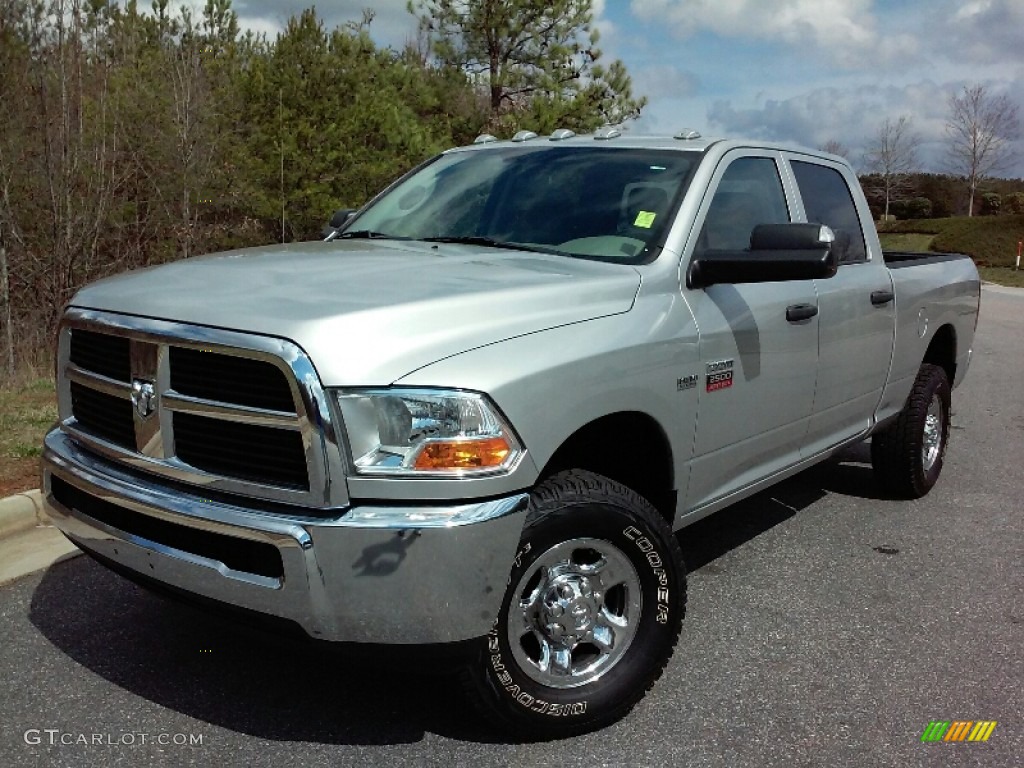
5,297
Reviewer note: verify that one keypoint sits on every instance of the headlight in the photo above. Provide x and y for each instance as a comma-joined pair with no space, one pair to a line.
426,432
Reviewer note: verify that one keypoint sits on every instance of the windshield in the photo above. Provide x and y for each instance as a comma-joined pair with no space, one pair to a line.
600,203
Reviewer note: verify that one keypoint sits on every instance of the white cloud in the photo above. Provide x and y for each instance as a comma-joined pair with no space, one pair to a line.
605,27
789,20
665,81
847,30
849,115
392,23
983,31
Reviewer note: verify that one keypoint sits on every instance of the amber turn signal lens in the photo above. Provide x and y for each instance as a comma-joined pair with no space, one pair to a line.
463,454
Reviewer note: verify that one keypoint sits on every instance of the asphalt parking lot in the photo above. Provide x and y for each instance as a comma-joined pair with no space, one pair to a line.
827,626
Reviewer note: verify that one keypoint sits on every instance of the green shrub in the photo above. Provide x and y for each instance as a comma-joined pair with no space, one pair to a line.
1014,203
915,208
924,226
990,204
989,240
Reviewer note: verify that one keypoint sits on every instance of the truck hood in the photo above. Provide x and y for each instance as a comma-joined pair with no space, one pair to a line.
370,312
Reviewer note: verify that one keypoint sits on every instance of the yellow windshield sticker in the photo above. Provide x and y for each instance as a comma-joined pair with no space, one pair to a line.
644,219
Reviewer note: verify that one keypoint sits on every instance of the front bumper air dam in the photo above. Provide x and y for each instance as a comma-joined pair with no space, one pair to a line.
374,574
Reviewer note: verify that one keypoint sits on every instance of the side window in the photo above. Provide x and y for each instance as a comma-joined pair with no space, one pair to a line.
749,193
827,200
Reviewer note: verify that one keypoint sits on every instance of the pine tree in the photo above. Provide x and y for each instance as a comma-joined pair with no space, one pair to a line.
537,60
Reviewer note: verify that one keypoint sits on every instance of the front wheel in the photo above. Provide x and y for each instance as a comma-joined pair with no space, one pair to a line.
907,457
591,614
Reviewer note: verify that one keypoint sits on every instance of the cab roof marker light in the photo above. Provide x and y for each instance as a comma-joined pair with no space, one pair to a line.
524,136
687,135
561,133
608,132
484,138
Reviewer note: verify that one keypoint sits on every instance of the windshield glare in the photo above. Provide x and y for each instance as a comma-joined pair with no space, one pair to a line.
601,203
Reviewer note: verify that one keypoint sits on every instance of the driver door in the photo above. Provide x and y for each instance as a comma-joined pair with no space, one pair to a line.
756,391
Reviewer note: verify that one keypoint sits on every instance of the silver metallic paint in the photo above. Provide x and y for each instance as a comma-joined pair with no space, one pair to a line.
370,574
314,418
370,312
556,343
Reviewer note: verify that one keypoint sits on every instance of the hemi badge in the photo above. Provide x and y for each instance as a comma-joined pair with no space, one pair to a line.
687,382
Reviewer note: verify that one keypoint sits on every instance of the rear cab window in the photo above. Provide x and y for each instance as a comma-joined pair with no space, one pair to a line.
827,200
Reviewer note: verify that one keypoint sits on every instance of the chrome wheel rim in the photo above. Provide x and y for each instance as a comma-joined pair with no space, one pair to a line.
574,613
931,444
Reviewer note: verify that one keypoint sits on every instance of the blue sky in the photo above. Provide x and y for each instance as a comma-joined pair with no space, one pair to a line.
789,70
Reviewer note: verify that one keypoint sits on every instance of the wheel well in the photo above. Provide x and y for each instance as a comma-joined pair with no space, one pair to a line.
629,447
942,351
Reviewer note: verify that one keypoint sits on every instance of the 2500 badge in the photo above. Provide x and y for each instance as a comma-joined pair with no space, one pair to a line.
719,375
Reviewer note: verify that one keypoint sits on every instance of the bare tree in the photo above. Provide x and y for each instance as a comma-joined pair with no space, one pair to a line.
835,147
8,315
193,142
75,153
892,154
980,129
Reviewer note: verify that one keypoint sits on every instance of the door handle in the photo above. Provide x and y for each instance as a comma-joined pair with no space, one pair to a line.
797,312
880,298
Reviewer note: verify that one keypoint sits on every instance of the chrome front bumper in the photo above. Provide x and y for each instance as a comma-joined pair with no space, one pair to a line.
389,574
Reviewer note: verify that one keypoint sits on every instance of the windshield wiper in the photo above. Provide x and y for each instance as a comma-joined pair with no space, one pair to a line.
489,242
368,234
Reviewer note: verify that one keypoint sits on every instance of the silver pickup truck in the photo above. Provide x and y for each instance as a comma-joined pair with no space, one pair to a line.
480,414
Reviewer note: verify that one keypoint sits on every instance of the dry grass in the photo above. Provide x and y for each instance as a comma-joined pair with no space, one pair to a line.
28,408
1003,276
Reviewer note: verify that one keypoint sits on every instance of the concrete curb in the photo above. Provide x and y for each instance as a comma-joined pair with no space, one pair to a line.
1004,289
28,540
20,512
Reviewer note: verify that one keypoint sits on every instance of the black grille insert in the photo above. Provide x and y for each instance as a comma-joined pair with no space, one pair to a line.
245,451
104,415
101,353
238,554
230,379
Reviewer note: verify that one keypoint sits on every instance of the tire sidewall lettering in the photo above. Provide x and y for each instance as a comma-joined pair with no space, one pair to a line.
509,678
523,698
653,558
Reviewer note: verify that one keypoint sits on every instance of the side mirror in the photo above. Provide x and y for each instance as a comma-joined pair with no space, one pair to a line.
337,221
778,252
341,216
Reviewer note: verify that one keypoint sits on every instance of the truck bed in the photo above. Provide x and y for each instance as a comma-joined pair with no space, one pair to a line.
896,259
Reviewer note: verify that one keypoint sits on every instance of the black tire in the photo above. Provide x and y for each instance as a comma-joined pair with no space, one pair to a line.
583,532
905,458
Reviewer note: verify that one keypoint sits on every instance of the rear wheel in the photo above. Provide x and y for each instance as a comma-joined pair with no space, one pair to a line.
907,457
591,614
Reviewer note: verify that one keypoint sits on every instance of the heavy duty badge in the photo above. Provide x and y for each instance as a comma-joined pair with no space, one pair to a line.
719,375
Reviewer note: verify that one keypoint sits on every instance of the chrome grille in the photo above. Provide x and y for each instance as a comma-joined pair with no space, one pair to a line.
226,411
108,416
253,382
102,354
246,451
